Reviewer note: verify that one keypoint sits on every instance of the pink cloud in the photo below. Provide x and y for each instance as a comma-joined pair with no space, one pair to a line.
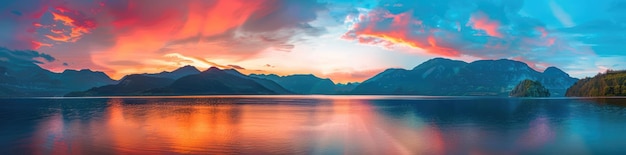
399,31
480,21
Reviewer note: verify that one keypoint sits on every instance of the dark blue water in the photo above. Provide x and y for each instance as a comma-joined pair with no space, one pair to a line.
312,125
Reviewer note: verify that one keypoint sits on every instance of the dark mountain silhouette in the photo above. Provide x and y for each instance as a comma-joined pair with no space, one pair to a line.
439,76
83,79
135,84
307,84
176,74
611,83
445,77
212,81
529,88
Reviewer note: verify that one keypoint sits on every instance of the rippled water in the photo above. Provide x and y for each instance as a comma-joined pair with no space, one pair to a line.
312,125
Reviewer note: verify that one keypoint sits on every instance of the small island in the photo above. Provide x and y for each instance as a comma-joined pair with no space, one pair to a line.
529,88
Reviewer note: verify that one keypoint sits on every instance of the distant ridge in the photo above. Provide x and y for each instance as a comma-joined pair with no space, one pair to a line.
440,76
30,80
175,74
134,84
308,84
212,81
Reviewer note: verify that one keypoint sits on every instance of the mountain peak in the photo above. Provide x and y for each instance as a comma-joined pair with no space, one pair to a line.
555,71
78,71
502,64
175,74
504,61
130,77
305,75
311,76
187,68
552,68
212,69
233,72
439,61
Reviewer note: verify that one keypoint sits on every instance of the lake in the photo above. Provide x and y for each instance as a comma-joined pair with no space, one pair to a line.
312,125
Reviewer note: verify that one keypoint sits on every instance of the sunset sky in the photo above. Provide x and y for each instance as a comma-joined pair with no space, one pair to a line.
345,40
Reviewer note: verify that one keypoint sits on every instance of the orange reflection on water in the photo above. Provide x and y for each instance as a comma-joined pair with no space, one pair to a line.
218,126
309,125
202,128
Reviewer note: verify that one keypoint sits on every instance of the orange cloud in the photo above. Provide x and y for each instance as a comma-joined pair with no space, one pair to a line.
56,31
71,20
37,45
37,24
481,21
65,19
441,50
201,32
59,37
62,9
125,37
369,31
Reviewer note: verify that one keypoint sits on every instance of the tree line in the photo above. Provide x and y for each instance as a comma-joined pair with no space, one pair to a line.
610,83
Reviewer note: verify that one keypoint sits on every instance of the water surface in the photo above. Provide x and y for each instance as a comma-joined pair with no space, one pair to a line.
312,125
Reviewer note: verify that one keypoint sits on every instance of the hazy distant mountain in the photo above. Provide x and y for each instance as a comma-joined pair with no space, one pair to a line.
611,83
556,81
304,83
269,84
83,79
345,88
529,88
176,74
135,84
32,80
441,76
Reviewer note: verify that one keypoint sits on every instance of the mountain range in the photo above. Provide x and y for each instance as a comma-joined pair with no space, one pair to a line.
308,84
439,76
188,81
445,77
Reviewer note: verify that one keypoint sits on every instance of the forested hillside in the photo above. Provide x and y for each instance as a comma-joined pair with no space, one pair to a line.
611,83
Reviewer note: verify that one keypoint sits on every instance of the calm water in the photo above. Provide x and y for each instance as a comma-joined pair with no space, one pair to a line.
312,125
